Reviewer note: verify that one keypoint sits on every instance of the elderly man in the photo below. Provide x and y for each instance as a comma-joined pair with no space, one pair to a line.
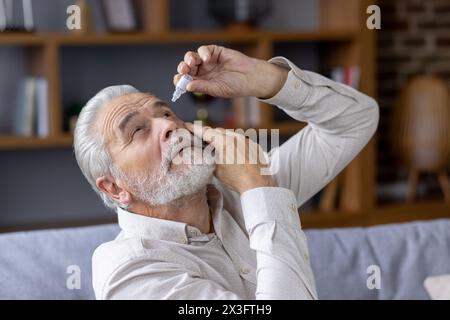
209,230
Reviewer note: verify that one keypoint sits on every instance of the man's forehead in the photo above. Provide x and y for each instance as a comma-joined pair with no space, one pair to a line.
120,106
131,99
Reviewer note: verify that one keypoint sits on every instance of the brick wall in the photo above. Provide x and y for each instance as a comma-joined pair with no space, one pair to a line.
414,39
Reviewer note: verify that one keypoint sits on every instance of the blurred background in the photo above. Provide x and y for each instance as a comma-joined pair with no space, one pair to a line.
55,55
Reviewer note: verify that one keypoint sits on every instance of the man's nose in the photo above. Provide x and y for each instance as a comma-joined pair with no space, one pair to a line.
168,127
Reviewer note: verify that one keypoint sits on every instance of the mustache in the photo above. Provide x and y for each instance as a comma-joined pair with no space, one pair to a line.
180,140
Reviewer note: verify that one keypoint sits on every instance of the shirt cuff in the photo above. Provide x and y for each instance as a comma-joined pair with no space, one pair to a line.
295,90
268,204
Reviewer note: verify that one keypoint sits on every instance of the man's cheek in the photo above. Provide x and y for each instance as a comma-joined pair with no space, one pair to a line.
142,161
149,155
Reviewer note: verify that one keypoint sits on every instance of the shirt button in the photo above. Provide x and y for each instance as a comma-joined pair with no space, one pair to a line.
297,84
293,207
245,270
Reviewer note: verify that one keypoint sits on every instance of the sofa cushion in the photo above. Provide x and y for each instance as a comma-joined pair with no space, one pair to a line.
406,255
34,264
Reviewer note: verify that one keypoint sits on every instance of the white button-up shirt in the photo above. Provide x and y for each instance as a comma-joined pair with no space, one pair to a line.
258,250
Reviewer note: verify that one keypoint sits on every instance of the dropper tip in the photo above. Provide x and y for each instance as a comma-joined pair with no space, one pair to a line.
176,96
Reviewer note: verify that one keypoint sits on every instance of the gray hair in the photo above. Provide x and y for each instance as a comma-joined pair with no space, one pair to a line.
90,149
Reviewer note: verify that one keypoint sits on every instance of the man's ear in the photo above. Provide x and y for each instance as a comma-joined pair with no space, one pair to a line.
108,185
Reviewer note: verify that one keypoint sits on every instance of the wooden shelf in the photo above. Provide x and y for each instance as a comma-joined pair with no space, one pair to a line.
59,225
313,36
398,213
420,210
9,142
175,37
337,219
288,127
22,39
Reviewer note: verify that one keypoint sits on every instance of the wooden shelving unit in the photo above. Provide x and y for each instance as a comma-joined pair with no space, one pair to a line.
342,31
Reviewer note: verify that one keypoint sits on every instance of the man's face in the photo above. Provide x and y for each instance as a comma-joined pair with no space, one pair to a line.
143,137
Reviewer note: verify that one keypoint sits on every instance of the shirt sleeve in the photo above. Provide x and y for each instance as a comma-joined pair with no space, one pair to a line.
340,121
273,225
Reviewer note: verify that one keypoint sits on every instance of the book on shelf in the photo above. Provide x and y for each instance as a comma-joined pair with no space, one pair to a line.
23,125
32,116
346,75
42,124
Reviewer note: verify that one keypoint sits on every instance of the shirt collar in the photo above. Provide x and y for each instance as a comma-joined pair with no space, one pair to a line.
152,228
167,230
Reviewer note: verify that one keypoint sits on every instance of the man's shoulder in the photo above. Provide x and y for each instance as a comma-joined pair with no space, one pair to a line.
120,254
114,259
110,255
117,249
120,250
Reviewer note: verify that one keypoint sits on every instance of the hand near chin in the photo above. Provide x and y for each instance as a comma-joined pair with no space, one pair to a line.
240,162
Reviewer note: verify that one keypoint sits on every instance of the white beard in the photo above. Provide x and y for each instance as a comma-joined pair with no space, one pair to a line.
165,186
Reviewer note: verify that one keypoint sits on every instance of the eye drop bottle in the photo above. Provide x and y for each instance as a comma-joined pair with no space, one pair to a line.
181,87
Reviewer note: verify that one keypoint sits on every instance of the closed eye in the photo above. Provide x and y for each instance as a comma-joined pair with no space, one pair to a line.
137,130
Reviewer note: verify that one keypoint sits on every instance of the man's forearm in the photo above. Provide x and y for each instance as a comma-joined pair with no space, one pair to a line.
269,79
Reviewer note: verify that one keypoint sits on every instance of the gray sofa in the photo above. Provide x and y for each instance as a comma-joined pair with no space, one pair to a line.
35,264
